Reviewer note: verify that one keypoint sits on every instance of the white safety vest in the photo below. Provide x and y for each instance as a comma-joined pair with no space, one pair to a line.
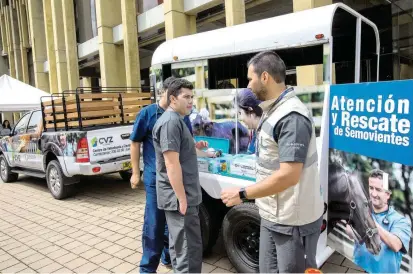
302,203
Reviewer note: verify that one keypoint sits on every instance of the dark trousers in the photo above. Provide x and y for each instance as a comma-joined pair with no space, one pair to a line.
281,253
155,236
185,241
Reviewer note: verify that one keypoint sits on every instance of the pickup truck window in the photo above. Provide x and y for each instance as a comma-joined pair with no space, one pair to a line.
20,128
34,122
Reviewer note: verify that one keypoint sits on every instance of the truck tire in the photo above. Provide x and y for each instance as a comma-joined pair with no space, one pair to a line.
5,171
57,182
209,229
126,175
241,232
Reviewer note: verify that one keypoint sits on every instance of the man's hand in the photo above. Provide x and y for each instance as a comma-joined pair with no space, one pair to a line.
135,180
200,153
201,144
183,206
230,196
349,232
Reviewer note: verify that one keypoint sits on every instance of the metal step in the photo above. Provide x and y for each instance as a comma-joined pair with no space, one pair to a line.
31,173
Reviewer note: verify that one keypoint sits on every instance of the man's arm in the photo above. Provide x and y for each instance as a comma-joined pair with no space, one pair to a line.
170,143
135,155
389,239
139,132
398,237
174,171
350,232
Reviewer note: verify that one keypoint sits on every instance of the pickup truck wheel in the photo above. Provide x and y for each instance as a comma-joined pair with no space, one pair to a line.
204,220
56,181
5,171
241,233
126,175
209,228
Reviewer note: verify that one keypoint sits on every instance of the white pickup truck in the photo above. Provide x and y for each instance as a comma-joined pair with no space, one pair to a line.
91,139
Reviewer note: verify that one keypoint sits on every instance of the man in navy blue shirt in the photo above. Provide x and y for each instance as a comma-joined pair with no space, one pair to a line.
155,234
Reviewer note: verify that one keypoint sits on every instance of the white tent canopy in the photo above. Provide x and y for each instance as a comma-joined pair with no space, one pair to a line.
17,96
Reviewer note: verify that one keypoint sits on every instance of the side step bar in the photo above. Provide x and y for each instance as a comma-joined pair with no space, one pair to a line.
37,174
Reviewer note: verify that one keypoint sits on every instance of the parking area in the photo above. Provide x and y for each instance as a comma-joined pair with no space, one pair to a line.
98,230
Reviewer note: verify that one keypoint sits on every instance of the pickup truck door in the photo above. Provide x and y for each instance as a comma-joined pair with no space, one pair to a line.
17,142
33,153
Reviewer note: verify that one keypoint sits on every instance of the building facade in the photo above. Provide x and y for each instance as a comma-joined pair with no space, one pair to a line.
59,45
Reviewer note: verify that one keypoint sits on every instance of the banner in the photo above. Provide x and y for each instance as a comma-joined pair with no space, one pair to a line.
370,174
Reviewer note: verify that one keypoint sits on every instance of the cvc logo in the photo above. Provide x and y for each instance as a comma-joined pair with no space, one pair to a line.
94,142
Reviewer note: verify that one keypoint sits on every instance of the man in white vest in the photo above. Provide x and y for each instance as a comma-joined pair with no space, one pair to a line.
287,192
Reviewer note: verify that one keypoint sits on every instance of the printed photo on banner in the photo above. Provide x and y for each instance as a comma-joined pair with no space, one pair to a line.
370,175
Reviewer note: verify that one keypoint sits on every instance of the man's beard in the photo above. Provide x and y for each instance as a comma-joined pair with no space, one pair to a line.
261,93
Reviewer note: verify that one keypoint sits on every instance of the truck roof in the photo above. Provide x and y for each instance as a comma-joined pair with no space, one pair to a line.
286,31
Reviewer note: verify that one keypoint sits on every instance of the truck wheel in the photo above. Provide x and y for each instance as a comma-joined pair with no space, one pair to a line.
209,229
241,233
5,171
126,175
57,181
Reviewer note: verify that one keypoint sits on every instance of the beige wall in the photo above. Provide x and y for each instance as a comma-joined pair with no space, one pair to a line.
309,75
50,35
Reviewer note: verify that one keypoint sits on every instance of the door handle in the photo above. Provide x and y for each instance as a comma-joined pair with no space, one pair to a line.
125,136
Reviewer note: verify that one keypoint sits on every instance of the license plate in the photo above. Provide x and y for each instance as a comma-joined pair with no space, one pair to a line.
126,165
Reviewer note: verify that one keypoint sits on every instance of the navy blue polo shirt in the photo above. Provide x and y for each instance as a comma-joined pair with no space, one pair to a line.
142,133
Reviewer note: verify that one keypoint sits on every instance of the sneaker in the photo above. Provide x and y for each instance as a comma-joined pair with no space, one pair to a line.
167,265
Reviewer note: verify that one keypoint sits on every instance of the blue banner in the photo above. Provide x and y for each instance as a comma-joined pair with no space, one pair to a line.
373,119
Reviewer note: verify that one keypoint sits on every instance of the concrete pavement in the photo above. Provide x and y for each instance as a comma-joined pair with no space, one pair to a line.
98,230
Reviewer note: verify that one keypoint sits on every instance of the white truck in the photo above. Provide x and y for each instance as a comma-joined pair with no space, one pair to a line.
342,42
73,134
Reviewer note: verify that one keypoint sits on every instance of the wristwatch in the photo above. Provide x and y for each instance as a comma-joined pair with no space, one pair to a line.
243,195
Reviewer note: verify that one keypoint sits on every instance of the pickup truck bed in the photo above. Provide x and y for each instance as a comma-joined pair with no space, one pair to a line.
73,135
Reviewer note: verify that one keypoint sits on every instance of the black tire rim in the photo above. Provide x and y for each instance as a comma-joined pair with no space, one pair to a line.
246,237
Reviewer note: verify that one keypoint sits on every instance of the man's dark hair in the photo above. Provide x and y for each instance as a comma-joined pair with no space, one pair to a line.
376,173
167,82
270,62
176,86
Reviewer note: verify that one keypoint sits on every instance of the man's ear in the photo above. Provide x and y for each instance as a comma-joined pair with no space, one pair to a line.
388,194
264,76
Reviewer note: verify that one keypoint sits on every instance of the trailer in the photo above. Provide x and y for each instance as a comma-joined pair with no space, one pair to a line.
216,63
